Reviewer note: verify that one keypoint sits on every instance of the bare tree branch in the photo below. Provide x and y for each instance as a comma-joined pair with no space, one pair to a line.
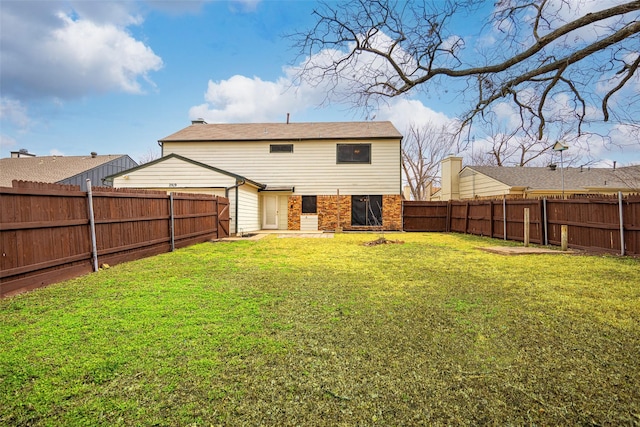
422,150
387,48
629,71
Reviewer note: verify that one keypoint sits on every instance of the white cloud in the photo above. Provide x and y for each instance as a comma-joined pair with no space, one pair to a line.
244,99
103,57
406,112
507,114
568,11
53,50
13,111
55,152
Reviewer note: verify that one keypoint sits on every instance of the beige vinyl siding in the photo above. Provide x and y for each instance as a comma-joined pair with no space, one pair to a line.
308,222
474,184
311,168
174,174
248,213
212,191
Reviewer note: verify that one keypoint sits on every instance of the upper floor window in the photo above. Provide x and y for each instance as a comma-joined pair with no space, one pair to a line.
281,148
354,153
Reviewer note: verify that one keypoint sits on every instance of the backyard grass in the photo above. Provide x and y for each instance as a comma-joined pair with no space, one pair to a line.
319,332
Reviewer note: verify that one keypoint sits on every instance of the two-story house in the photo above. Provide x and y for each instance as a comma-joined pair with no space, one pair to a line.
286,176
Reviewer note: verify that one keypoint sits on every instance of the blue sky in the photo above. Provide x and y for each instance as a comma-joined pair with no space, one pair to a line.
114,77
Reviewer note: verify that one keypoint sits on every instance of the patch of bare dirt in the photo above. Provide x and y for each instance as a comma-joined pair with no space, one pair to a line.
383,241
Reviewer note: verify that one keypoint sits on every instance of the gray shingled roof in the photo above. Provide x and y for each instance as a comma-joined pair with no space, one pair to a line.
49,169
284,131
575,179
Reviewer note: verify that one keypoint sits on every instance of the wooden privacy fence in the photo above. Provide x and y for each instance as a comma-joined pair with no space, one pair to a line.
594,223
47,232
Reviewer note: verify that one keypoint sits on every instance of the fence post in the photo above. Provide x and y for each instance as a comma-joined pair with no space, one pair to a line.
564,237
215,215
621,223
504,216
546,223
466,219
526,227
171,223
448,224
92,227
491,219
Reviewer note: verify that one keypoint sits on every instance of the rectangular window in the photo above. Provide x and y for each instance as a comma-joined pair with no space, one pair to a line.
366,211
281,148
309,205
354,153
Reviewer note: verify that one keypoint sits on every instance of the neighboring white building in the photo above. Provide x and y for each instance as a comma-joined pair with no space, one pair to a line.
296,176
472,182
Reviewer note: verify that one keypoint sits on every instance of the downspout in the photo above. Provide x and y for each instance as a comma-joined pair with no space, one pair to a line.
226,194
161,148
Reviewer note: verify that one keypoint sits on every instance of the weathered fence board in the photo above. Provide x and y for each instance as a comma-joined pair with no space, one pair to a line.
425,216
45,235
593,222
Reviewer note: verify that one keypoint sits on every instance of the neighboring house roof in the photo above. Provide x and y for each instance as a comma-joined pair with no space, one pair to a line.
185,159
575,179
50,169
284,131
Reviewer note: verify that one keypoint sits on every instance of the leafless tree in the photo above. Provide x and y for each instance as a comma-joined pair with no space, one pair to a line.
503,147
423,147
149,156
548,59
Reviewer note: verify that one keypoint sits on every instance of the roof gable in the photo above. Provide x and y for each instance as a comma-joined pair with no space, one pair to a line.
190,161
285,131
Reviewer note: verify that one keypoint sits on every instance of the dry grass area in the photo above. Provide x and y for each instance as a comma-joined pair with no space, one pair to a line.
322,332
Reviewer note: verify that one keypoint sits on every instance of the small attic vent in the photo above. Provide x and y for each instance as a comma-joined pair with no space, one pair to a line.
552,166
198,121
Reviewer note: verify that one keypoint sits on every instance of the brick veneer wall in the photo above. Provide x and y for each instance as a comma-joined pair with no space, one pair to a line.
294,208
392,212
328,213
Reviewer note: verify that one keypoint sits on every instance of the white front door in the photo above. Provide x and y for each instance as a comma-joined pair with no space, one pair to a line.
270,212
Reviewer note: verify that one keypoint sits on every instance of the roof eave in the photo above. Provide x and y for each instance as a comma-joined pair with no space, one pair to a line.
344,138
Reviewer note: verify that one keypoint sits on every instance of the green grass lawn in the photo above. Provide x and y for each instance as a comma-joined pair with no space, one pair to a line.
329,332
